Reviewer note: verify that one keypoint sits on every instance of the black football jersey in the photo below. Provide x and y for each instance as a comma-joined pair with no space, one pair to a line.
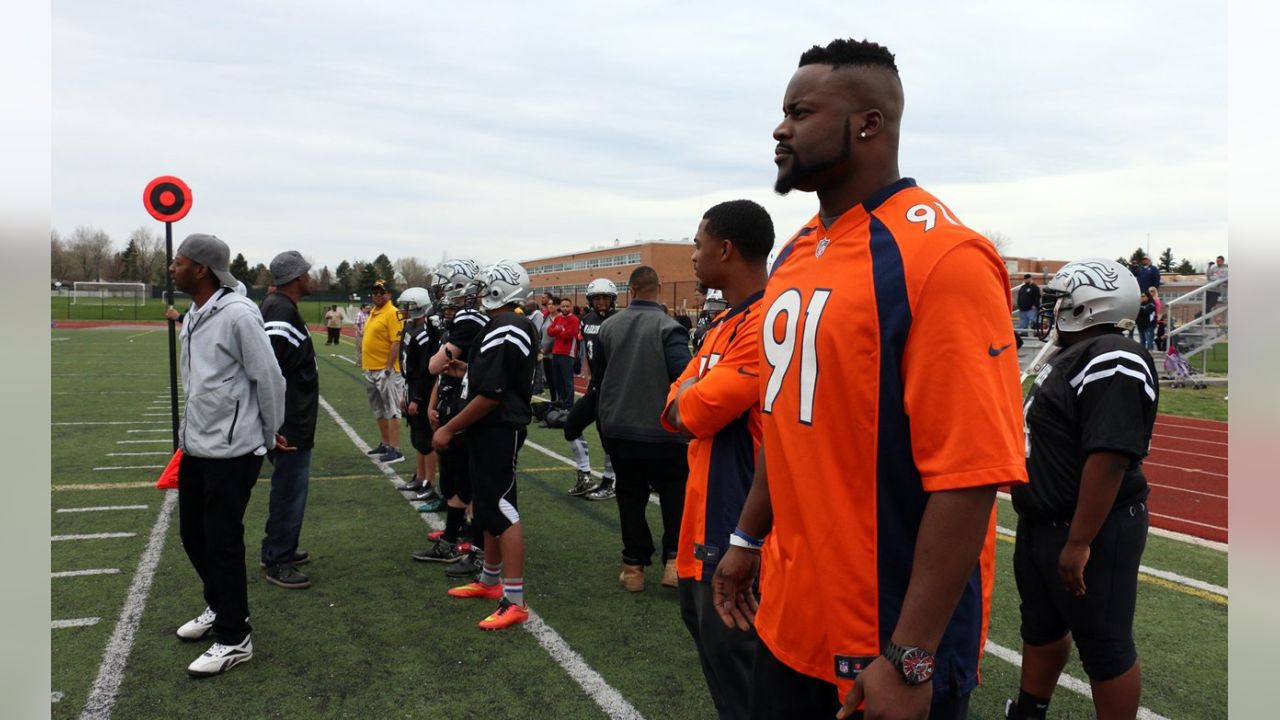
1098,395
500,366
460,332
591,323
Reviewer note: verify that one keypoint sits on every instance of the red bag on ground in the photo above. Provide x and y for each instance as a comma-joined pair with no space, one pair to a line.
169,478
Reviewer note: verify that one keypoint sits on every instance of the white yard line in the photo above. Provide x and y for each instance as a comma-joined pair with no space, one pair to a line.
144,332
102,508
592,683
342,357
91,536
1168,534
135,454
75,622
1069,682
166,430
112,422
142,442
102,696
1162,574
128,467
82,573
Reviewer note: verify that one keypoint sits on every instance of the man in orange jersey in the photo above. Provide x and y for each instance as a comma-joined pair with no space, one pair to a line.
716,402
890,409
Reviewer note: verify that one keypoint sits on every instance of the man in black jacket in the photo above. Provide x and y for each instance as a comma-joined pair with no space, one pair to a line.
642,350
291,462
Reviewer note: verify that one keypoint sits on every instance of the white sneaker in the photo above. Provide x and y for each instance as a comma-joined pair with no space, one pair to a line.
199,627
221,658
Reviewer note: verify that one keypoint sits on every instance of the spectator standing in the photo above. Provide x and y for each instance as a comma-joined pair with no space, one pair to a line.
642,351
1082,520
333,320
235,401
1147,321
872,505
1217,271
1028,303
716,403
362,318
1148,275
291,465
380,360
564,330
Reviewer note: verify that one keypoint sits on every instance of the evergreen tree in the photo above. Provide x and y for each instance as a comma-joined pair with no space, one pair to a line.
368,276
325,278
1136,257
261,276
240,269
129,262
1185,268
345,276
1166,260
386,270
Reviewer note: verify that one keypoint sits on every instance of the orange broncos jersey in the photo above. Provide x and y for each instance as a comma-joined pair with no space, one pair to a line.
722,412
887,372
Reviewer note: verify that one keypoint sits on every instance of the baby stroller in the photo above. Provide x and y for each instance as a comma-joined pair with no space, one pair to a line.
1180,370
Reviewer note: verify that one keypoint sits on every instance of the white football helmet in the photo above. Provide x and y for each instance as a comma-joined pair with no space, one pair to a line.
715,302
1086,293
502,283
602,286
451,279
414,302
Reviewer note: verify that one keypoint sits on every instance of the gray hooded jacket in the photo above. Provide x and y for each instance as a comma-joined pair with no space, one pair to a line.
233,387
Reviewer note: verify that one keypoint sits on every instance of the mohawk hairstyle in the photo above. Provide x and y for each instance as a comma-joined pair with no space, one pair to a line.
850,53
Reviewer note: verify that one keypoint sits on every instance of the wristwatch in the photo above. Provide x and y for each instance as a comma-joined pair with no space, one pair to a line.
915,664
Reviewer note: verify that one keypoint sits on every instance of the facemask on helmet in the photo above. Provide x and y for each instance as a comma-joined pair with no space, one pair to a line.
415,303
451,281
1087,293
714,302
605,287
500,284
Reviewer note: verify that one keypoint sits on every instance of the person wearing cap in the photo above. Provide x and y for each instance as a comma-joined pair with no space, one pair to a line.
235,402
380,359
1028,295
291,465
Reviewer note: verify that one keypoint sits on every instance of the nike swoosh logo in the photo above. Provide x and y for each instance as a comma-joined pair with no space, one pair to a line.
992,351
743,371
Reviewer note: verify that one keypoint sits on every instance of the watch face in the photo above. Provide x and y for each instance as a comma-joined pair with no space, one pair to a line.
917,666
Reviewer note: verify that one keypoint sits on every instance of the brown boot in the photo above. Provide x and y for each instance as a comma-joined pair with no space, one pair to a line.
632,577
669,574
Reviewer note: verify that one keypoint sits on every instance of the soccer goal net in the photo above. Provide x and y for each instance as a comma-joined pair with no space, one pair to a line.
134,293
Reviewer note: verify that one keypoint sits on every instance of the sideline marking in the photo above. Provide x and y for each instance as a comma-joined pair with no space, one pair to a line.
91,536
1069,682
130,467
141,442
1169,534
148,431
134,454
600,692
144,332
104,486
81,573
342,357
102,696
103,507
76,622
1162,578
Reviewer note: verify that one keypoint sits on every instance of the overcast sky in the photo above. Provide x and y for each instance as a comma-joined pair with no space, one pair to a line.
522,130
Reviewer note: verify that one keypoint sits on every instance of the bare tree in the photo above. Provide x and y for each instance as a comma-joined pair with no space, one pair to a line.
149,255
89,250
412,272
1002,241
58,261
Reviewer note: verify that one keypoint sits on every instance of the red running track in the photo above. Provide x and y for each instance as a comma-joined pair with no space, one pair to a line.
1187,471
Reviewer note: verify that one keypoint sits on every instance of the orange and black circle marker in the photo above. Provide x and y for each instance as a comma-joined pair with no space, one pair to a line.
167,198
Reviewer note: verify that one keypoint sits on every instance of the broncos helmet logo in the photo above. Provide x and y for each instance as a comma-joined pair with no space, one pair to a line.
1090,274
505,272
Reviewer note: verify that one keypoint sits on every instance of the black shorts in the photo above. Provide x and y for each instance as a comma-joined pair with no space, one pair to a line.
492,453
1101,622
420,431
780,693
455,470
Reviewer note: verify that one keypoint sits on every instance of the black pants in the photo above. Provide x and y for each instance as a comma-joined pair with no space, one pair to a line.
637,476
335,335
781,693
562,380
212,497
547,373
726,653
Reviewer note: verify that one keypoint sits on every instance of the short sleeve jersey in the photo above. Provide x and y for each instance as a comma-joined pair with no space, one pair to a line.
420,342
1099,395
381,331
500,366
886,355
722,412
461,332
591,323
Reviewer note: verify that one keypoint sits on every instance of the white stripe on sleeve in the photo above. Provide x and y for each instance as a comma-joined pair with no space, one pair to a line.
1123,355
284,334
1117,370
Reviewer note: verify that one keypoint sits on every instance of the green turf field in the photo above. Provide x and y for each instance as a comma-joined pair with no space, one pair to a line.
127,310
376,636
